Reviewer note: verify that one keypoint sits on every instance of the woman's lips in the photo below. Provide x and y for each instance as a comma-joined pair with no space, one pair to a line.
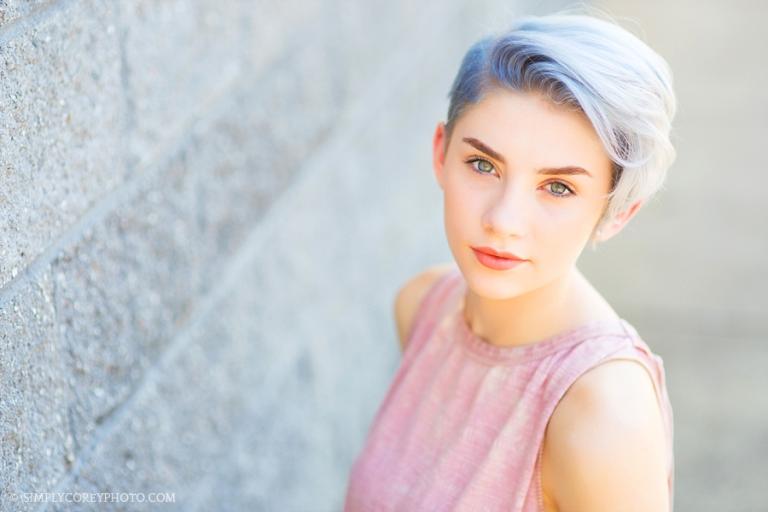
495,262
498,254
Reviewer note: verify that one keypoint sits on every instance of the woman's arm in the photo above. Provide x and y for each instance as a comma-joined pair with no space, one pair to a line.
605,447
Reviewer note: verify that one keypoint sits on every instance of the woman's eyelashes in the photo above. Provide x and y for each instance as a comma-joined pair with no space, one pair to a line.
485,167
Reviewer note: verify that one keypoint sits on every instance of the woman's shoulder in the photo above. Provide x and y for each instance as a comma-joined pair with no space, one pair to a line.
410,295
609,413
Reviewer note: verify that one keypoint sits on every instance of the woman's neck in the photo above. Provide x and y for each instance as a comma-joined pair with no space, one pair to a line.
537,315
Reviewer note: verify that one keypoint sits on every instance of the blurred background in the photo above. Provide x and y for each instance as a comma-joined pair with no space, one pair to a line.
690,269
207,207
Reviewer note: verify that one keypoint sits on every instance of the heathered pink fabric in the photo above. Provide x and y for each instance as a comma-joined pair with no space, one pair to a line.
462,423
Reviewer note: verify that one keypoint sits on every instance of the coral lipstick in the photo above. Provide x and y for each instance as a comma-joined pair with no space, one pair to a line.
497,260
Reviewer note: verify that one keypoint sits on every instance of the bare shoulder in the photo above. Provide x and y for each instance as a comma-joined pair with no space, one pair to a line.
605,445
410,295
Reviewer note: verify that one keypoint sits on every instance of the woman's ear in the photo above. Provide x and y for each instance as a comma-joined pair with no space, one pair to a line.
438,153
612,228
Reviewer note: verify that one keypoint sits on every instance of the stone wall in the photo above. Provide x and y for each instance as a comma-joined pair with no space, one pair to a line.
206,208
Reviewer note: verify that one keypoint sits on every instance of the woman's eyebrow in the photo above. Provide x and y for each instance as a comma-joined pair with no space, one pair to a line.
568,169
484,148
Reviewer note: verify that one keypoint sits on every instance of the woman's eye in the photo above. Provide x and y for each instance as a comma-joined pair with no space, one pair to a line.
559,189
481,166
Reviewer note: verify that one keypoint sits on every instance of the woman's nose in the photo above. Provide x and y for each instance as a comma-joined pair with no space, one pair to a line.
508,214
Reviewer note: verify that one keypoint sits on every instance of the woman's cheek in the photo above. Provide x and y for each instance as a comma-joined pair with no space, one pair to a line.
561,213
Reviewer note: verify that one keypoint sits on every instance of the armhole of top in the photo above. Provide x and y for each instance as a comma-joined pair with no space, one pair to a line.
657,379
653,365
650,371
427,310
641,353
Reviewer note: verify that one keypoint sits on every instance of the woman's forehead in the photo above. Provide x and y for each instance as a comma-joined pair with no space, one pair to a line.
504,111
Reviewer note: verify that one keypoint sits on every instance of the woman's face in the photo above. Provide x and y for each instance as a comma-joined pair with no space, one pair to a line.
502,190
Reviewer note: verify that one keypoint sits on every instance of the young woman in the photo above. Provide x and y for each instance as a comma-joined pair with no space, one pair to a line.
520,388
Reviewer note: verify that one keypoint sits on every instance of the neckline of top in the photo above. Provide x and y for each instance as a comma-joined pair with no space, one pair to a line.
518,353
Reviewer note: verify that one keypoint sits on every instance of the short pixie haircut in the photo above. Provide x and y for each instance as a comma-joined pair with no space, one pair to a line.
591,65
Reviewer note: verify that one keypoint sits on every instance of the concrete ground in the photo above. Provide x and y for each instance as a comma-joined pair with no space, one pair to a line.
689,271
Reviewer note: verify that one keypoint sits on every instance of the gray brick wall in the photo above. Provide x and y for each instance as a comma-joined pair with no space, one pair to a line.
205,210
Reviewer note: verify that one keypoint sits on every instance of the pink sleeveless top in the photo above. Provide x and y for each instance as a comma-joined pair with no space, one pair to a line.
462,425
